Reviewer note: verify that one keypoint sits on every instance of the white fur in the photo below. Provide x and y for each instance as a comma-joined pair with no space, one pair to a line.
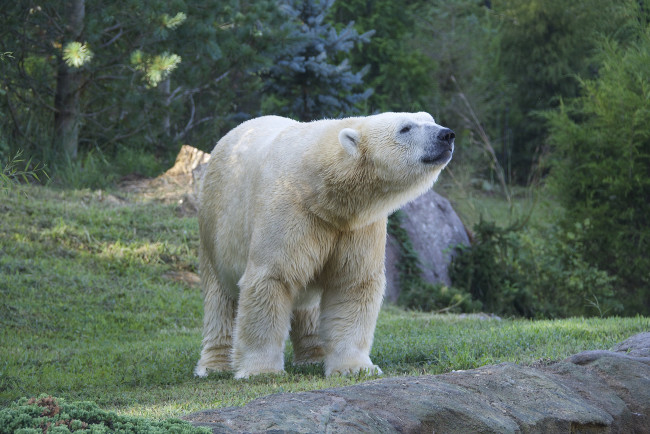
292,234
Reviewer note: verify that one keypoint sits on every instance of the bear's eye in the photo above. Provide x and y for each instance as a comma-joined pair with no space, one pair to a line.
406,129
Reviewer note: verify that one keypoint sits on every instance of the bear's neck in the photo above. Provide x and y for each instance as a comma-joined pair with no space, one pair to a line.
349,194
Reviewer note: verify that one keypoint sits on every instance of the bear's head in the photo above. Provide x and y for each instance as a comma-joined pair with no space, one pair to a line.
400,146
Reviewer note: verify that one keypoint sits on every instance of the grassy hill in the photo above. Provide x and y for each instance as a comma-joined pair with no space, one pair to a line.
99,301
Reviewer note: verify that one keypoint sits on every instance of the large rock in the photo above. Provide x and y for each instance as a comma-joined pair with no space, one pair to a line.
606,392
434,230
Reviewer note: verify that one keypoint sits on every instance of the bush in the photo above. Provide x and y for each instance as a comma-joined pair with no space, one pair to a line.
551,263
602,146
533,272
54,415
486,271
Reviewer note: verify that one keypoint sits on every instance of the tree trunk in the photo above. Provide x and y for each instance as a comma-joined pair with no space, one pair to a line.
165,87
68,85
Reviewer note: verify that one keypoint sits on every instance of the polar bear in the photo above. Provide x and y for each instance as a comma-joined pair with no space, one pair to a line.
292,225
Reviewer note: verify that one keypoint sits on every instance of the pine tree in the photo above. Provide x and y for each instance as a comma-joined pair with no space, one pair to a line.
312,78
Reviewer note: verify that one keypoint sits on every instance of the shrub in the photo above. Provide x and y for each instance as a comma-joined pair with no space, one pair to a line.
487,272
533,272
551,263
47,414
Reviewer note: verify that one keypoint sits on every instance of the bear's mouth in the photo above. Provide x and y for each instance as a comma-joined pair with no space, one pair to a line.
440,158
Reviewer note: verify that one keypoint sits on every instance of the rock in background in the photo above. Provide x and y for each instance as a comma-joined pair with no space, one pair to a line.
592,392
434,230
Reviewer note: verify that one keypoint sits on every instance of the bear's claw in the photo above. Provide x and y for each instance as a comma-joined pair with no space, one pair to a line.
362,371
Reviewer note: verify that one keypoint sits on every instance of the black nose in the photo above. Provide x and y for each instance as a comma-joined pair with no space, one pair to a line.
446,135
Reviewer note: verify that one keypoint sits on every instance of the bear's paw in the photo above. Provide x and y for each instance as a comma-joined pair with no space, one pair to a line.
244,373
354,370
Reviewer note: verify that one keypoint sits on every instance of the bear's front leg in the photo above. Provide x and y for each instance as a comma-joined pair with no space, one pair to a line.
353,284
262,325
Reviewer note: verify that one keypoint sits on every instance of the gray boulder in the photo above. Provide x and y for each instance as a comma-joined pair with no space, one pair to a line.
607,392
434,230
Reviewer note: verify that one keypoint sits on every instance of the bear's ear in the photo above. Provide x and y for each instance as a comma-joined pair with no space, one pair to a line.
349,139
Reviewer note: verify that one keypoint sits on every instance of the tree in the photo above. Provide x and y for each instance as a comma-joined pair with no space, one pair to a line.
402,76
68,81
103,73
310,78
544,45
602,149
54,73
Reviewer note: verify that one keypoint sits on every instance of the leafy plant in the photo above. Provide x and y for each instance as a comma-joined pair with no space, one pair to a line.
17,169
486,271
542,46
537,271
397,70
551,263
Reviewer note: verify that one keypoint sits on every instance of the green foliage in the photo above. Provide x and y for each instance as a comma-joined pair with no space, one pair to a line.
156,68
534,272
486,272
47,414
400,74
233,60
551,264
543,46
127,97
16,169
602,147
415,292
311,78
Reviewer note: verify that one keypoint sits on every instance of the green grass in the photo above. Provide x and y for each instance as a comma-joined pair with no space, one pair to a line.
87,313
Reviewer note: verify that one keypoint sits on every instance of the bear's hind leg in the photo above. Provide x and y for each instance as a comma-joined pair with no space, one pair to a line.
218,323
307,345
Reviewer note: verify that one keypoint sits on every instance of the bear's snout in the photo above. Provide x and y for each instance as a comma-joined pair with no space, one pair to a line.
446,135
441,148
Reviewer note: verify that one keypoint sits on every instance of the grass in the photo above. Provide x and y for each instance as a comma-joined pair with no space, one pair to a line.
89,310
